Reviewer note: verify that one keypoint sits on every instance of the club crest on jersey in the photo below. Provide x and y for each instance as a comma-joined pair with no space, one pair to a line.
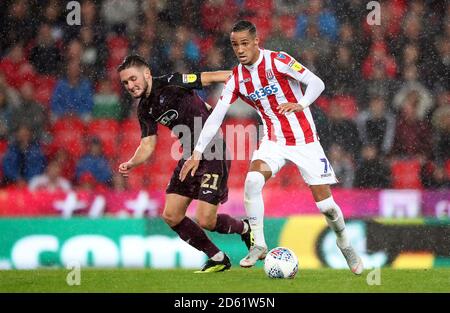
270,75
263,92
167,117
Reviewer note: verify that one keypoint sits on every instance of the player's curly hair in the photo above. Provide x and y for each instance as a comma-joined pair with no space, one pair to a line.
132,60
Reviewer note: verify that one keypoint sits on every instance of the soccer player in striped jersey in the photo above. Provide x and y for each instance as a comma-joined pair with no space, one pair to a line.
271,83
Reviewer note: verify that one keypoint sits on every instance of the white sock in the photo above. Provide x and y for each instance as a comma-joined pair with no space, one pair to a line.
254,205
218,256
335,220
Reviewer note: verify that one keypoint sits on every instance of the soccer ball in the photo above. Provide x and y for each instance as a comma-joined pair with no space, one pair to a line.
281,262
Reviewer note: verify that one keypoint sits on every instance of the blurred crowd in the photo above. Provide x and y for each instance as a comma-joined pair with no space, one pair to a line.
384,117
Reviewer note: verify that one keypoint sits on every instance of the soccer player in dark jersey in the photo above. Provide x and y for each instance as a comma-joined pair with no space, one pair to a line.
170,100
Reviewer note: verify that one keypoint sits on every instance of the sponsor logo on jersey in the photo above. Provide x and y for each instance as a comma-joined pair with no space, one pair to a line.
296,66
270,75
263,92
167,117
189,78
244,81
281,56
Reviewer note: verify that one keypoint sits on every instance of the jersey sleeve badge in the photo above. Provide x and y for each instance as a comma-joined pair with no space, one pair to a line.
189,78
296,66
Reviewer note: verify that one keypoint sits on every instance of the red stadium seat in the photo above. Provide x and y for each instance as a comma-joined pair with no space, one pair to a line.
129,139
406,174
447,167
69,133
44,89
3,147
348,105
107,130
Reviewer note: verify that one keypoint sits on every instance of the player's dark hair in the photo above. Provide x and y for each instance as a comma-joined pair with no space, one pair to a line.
132,60
243,26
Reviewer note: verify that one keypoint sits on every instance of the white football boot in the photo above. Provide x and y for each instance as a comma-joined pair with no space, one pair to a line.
353,260
254,254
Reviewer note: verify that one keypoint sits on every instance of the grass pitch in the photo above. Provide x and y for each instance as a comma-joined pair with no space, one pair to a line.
236,280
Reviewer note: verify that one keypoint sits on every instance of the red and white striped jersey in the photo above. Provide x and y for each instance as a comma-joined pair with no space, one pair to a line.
273,80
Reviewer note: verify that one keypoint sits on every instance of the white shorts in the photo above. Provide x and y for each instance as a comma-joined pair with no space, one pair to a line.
309,158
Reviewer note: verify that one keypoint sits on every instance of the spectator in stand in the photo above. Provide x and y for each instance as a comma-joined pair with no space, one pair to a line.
410,85
45,56
51,180
56,19
29,113
343,130
434,176
73,94
16,68
281,39
350,38
95,163
74,52
106,102
314,41
372,172
87,182
412,135
342,164
112,16
286,7
5,115
93,57
379,56
323,18
441,128
410,57
341,74
17,24
377,126
12,96
66,162
377,85
23,159
438,68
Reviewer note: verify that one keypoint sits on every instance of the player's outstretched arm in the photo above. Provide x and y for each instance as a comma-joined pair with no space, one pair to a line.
143,152
209,78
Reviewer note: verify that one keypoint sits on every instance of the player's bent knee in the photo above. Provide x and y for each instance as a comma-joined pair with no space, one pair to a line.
254,183
172,219
329,208
207,223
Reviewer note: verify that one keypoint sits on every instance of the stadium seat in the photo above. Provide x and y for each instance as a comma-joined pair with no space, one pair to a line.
259,5
348,105
406,174
107,130
3,147
129,138
69,133
44,89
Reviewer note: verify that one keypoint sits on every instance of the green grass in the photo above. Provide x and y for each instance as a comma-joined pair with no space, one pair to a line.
235,280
